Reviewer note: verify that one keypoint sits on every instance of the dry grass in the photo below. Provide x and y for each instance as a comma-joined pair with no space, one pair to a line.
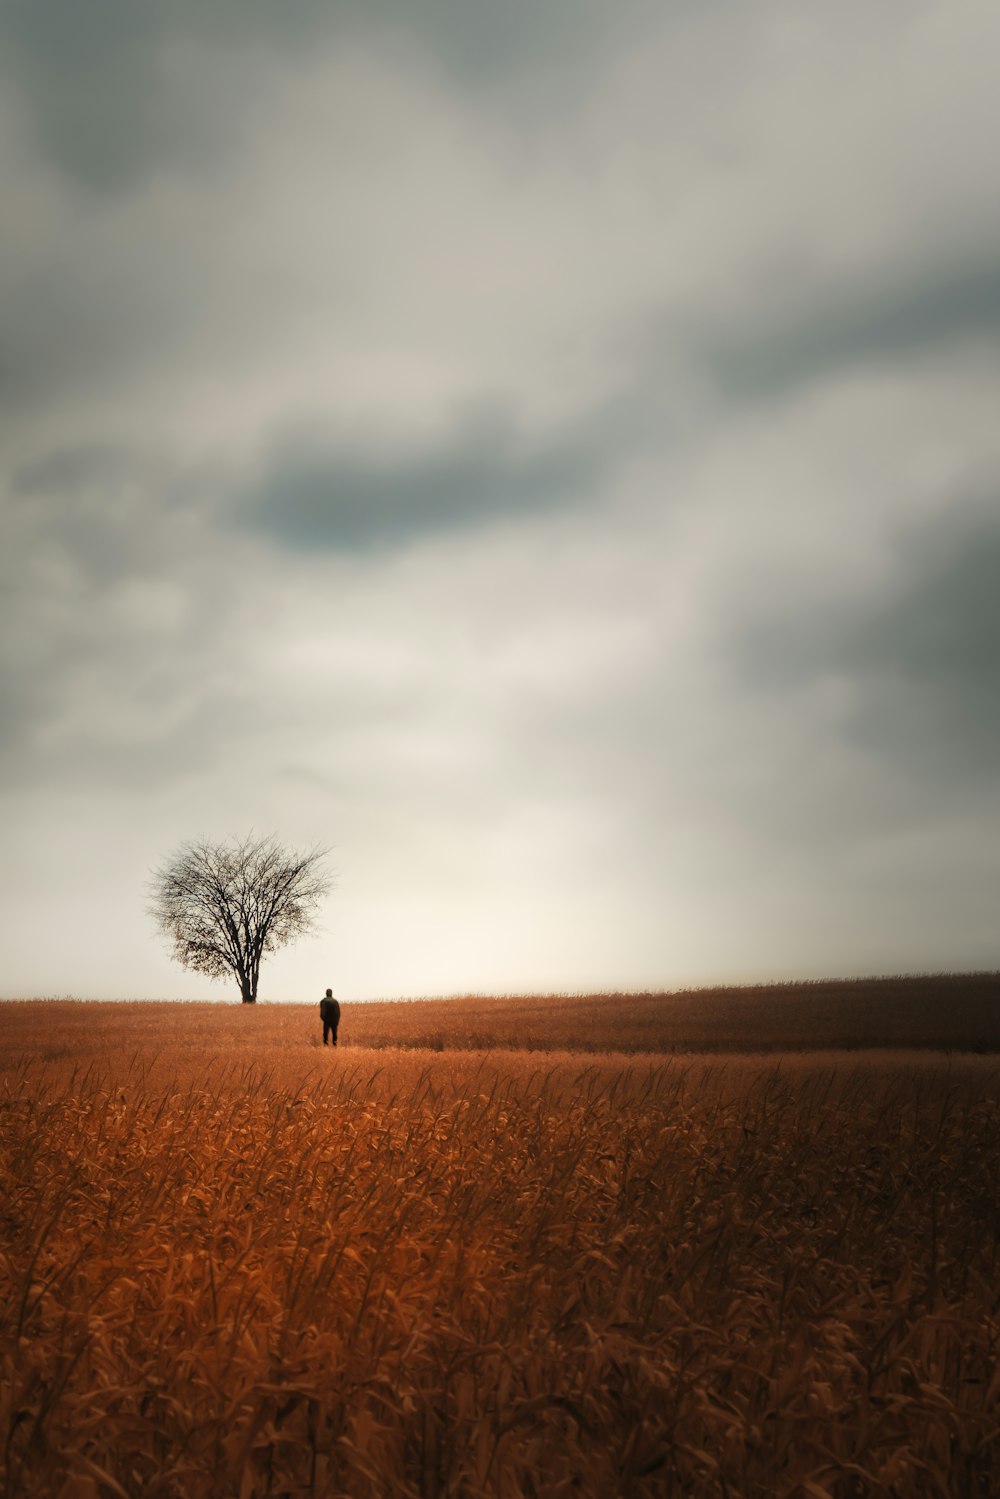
488,1273
940,1012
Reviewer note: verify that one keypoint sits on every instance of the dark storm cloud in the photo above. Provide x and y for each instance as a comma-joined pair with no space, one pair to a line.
922,657
923,310
105,104
310,499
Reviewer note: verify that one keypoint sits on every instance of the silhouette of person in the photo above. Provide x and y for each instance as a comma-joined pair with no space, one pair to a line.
329,1010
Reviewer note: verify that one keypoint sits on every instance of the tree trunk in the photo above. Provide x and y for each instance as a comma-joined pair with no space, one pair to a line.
249,997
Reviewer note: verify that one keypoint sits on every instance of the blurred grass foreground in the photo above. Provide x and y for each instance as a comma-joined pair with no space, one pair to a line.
235,1264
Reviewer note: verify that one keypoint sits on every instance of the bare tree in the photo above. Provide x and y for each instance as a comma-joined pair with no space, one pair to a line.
223,906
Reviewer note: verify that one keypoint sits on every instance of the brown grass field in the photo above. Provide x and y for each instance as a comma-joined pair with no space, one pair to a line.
625,1245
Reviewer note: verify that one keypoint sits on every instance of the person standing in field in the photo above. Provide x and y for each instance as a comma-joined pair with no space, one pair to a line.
329,1010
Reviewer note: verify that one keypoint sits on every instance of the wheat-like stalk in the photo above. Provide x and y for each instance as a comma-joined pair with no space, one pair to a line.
492,1273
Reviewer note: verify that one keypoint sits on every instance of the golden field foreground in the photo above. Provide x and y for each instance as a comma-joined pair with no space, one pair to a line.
234,1264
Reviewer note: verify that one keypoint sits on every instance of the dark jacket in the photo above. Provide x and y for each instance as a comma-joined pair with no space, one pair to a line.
329,1009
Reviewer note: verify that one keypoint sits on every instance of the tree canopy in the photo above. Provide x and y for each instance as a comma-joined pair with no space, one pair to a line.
224,906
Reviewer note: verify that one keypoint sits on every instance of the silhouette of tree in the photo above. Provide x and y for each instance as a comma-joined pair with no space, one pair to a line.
223,906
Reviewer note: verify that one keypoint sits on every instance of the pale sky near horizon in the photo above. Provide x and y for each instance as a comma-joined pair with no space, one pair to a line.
548,453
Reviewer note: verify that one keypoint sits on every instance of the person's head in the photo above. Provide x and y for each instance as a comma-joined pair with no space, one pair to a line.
329,993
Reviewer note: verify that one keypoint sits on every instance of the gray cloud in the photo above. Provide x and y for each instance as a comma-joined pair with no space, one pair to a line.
928,657
94,84
923,311
103,512
106,107
70,470
682,631
918,659
111,672
115,90
310,499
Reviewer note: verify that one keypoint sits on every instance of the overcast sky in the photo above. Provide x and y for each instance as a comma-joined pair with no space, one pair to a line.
548,453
